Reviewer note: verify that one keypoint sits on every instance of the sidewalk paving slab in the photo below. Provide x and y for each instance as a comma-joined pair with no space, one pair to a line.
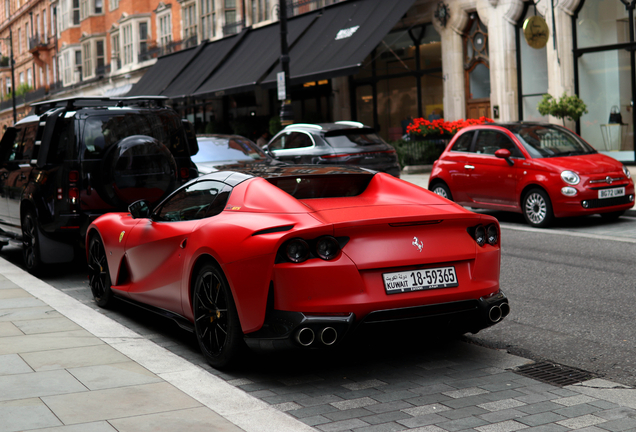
65,367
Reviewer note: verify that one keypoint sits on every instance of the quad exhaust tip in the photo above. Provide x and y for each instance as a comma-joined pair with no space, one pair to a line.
306,336
498,312
328,336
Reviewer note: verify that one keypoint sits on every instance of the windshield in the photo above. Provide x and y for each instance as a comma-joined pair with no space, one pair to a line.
544,141
231,148
352,138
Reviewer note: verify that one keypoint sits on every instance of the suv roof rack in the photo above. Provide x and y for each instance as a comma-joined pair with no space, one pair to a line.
73,103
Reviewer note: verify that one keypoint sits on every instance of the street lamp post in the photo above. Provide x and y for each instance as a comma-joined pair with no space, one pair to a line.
286,113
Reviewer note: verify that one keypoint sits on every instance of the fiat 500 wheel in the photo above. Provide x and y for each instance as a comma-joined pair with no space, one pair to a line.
537,208
216,321
98,275
442,190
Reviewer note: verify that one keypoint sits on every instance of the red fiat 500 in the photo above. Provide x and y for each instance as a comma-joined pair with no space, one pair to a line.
541,170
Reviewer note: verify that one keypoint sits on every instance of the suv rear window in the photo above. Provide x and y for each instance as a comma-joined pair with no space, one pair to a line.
102,131
327,186
353,137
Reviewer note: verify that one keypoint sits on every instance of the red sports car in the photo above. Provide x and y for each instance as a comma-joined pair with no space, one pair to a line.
299,256
538,169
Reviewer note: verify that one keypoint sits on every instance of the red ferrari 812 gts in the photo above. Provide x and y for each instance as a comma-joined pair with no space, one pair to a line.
300,256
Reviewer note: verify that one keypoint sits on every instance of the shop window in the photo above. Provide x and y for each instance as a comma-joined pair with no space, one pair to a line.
88,59
190,24
127,44
604,77
75,12
207,20
534,74
143,39
115,59
99,56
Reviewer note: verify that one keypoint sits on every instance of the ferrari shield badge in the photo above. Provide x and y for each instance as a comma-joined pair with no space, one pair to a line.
121,236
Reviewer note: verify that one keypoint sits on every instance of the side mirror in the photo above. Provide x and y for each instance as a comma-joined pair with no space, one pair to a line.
505,154
139,209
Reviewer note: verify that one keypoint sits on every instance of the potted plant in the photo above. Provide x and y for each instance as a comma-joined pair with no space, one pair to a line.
571,107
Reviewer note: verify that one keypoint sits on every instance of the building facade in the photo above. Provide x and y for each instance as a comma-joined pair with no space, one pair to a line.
440,58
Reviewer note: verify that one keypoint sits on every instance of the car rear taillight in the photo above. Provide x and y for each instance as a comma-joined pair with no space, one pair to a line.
298,250
327,248
73,190
483,235
73,195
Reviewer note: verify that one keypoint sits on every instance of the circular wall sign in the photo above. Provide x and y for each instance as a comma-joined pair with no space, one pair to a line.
536,32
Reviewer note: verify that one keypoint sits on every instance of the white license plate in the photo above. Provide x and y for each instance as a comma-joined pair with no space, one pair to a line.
417,280
611,193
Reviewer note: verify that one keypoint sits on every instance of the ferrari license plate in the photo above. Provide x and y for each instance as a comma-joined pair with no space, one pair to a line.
611,193
416,280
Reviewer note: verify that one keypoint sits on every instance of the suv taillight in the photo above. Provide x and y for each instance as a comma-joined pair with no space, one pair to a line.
73,190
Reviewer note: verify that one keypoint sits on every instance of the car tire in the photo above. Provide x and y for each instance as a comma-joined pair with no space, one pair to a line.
98,273
31,243
537,208
612,216
442,190
216,322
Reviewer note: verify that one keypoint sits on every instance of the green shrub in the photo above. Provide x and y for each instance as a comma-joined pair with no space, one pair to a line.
571,107
419,152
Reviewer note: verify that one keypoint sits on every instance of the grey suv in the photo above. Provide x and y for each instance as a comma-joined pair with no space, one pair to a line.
339,143
72,160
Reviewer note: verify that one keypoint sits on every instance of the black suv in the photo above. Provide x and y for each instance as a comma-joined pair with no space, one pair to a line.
72,160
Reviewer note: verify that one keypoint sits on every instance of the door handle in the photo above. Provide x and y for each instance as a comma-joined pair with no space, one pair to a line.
469,167
183,243
23,176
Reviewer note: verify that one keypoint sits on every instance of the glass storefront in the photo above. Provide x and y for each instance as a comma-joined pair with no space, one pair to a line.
604,59
534,74
405,74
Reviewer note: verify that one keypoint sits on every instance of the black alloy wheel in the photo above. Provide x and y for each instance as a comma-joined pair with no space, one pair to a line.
98,275
216,321
31,243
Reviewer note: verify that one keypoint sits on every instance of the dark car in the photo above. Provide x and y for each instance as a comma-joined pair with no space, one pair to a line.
222,152
339,143
72,160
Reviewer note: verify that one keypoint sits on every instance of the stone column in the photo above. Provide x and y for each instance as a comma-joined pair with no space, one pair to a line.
501,18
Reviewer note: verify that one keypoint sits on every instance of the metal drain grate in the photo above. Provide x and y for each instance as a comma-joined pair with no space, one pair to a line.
554,374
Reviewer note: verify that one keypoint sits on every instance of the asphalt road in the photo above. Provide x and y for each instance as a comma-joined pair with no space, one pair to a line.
573,296
571,290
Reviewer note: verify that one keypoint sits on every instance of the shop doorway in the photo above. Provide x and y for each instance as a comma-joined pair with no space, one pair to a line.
476,69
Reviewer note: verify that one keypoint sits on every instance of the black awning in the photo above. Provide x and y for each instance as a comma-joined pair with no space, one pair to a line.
159,76
341,39
210,56
254,57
